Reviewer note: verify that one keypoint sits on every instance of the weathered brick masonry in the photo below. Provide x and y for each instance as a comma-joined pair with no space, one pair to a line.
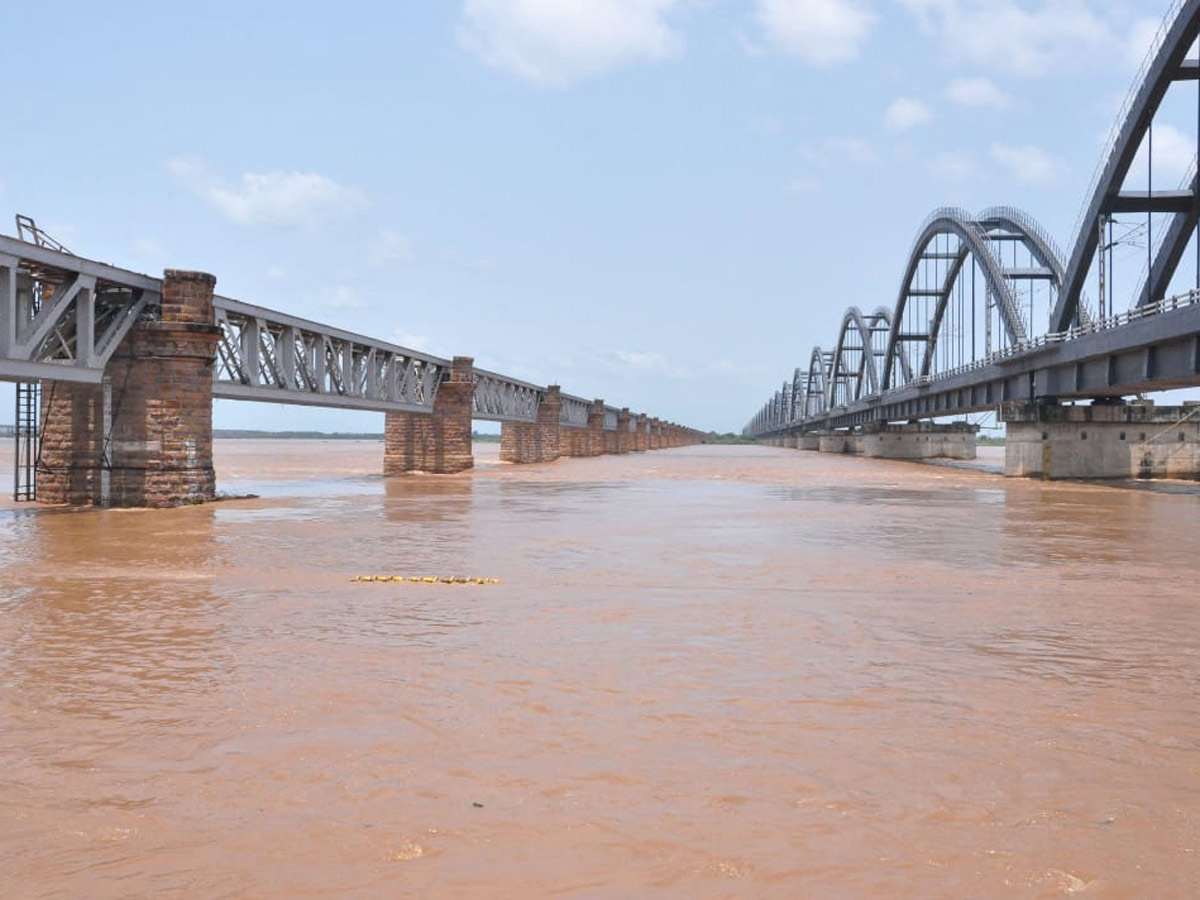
522,442
624,435
439,443
159,450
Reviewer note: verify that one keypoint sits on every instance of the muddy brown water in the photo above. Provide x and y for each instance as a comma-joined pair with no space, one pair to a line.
706,672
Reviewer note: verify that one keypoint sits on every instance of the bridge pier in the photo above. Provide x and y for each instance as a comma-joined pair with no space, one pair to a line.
1104,440
625,436
833,442
809,440
437,443
535,442
586,441
920,440
144,437
640,443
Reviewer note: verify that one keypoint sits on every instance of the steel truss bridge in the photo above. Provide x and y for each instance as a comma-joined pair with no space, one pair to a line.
62,317
990,310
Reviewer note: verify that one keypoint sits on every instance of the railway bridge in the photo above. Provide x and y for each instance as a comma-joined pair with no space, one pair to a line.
991,315
116,374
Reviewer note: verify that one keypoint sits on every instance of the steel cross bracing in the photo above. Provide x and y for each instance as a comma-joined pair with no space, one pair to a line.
502,399
574,411
271,356
63,316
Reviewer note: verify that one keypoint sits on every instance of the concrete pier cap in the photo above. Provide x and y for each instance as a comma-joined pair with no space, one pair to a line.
1109,438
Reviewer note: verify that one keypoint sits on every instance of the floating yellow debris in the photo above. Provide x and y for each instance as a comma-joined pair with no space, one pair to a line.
426,579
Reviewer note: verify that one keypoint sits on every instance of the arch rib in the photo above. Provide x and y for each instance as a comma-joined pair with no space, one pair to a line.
1164,67
959,223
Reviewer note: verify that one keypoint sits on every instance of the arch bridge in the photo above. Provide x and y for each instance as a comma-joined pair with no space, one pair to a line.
989,313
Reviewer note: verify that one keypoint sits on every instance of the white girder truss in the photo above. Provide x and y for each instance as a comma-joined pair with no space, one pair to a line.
62,316
270,356
501,399
574,411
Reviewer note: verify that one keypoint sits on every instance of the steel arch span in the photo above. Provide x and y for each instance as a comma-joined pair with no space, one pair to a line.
989,309
996,255
1166,65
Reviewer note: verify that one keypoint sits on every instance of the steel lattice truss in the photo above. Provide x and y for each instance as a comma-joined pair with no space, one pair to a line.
266,355
501,399
62,316
574,411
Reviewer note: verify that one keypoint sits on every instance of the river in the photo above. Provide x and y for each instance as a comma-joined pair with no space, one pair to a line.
706,672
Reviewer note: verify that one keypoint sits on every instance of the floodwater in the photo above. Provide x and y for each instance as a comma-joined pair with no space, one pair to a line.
707,672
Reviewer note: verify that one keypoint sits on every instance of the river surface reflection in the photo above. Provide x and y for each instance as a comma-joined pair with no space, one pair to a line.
706,672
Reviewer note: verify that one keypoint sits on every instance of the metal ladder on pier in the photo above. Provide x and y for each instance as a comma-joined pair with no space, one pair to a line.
29,397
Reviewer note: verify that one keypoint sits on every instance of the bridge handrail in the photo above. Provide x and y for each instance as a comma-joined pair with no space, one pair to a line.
1167,304
1027,222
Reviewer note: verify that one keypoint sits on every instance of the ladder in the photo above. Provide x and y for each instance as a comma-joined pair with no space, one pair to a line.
29,396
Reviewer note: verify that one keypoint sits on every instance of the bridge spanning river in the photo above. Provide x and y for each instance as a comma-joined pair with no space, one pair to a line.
117,372
991,314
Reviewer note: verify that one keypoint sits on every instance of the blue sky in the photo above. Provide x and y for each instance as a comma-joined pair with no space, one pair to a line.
665,203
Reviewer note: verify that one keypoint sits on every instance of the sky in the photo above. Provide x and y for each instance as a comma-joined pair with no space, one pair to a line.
664,203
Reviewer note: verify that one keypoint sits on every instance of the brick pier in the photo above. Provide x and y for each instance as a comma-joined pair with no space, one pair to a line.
157,401
439,443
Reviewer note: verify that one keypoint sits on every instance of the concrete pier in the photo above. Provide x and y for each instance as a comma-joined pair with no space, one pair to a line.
921,440
1103,440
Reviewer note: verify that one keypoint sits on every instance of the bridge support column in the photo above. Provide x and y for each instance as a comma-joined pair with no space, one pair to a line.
809,440
640,442
145,437
832,442
654,437
534,442
437,443
625,437
574,442
595,443
1104,440
922,440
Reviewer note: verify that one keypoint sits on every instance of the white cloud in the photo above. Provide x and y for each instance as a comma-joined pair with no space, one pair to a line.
149,248
390,246
904,113
977,93
268,198
1141,39
820,32
953,165
410,341
850,148
1004,36
1174,152
556,43
800,185
649,362
1029,164
340,296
